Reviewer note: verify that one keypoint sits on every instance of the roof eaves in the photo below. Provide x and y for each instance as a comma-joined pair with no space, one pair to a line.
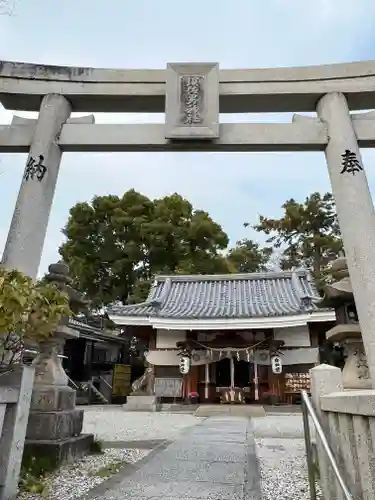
228,277
79,325
285,321
128,308
132,320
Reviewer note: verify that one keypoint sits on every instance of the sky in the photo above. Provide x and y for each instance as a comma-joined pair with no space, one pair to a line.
233,188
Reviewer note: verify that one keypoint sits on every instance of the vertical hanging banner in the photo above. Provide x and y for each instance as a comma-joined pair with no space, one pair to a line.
192,101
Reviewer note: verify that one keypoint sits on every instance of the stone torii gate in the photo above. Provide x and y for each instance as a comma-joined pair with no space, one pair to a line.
192,95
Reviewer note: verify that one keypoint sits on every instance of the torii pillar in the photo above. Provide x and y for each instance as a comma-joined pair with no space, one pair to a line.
355,210
24,245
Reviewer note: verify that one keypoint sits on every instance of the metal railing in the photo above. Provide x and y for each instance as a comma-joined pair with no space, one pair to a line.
105,382
97,393
73,384
309,411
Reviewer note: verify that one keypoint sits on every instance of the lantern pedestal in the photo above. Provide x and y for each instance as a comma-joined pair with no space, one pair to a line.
55,424
355,374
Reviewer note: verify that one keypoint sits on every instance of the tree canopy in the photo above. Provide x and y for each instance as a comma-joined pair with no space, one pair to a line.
308,233
115,245
248,257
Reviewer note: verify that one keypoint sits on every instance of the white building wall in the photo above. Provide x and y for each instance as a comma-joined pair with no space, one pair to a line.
172,358
166,339
298,336
302,356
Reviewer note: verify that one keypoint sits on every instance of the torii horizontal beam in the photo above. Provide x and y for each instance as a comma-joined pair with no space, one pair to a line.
23,86
303,134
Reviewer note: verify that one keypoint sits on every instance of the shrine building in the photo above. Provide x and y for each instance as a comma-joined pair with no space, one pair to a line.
234,323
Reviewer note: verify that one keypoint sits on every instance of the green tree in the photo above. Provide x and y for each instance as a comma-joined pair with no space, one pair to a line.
140,291
104,246
248,257
116,245
206,264
28,312
177,234
308,233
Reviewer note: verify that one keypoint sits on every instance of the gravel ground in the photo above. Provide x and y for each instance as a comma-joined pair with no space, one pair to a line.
282,458
72,481
111,424
118,425
279,426
279,440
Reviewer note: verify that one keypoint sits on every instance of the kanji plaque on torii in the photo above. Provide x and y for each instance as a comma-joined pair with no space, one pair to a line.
192,101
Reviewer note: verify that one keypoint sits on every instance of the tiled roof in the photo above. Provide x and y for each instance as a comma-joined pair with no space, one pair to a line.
254,295
94,332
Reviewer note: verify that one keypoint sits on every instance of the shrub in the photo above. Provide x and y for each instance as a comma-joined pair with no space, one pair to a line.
29,313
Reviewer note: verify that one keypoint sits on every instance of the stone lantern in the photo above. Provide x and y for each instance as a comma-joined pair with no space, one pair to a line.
55,425
48,366
339,296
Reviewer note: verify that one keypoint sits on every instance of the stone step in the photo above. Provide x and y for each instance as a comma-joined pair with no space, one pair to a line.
231,410
177,408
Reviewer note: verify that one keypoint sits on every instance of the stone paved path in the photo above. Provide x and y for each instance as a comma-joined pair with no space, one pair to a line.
213,460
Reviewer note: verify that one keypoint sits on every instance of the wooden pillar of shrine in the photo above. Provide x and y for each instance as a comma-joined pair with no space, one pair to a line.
192,380
277,384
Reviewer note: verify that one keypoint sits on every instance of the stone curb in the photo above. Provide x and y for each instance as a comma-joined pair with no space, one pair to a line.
252,484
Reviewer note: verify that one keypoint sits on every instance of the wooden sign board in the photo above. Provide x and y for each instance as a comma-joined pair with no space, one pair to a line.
121,385
168,387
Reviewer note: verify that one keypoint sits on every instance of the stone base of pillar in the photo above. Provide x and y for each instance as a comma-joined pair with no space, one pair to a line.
141,403
55,425
59,452
48,398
